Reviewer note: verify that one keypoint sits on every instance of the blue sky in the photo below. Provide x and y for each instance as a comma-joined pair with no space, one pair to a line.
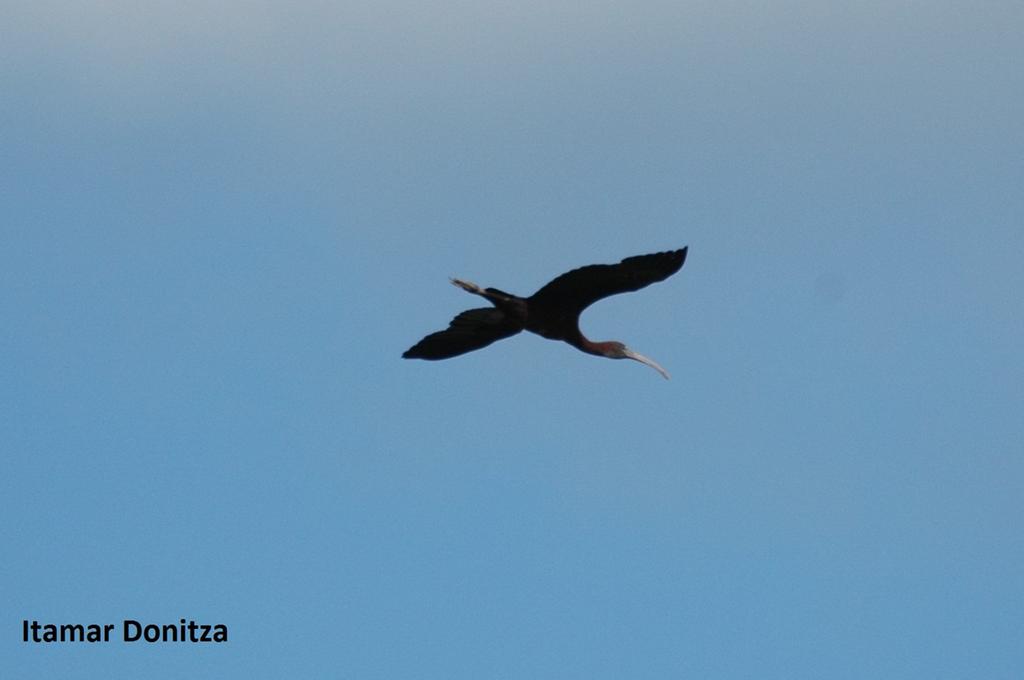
223,223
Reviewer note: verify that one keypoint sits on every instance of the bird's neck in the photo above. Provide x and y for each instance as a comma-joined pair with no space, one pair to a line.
601,349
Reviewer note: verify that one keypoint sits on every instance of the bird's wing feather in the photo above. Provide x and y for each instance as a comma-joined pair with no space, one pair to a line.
470,330
578,289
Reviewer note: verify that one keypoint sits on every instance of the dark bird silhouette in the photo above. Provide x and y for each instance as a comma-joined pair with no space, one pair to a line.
552,312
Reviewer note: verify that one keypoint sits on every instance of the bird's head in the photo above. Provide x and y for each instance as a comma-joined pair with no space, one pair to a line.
617,350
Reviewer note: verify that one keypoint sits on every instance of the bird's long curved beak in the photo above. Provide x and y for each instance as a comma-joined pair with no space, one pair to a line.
636,356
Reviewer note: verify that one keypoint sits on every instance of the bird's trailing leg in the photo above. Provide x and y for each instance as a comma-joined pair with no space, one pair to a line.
468,286
497,297
513,306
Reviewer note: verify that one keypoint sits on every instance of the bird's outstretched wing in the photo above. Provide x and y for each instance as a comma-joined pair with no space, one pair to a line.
470,330
576,290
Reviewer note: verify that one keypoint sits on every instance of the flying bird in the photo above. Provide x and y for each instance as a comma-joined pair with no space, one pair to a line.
552,312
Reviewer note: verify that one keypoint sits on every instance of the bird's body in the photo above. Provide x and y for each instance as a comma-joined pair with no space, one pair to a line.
552,312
